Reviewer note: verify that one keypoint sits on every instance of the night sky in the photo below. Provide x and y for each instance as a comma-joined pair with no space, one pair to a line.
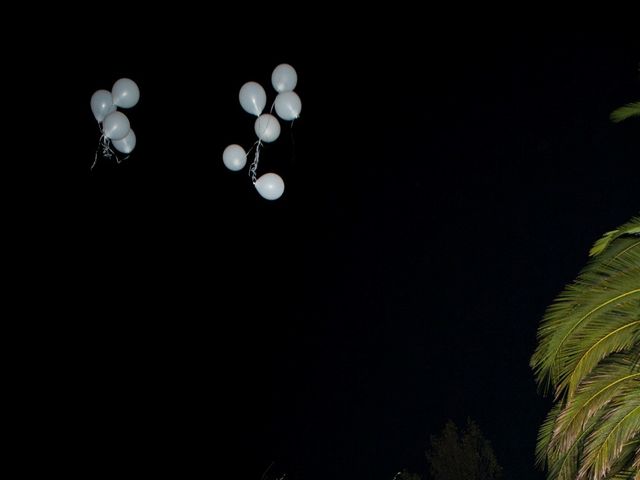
439,194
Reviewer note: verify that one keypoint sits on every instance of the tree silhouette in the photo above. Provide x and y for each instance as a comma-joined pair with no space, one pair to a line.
462,454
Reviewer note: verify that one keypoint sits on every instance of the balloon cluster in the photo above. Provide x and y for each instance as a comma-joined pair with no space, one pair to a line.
253,99
114,125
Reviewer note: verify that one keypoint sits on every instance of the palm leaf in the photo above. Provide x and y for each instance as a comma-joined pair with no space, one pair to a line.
628,111
622,468
545,434
630,228
614,375
615,332
604,446
602,299
564,464
617,430
578,329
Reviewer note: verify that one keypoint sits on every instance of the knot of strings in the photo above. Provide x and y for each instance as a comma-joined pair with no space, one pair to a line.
256,159
104,149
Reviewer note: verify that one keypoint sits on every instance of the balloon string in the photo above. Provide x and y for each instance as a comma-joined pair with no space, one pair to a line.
265,472
252,147
256,159
293,143
95,160
105,150
95,157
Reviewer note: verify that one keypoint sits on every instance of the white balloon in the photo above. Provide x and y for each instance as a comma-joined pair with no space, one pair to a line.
127,144
102,104
270,186
253,98
234,157
284,78
116,126
288,105
125,93
267,127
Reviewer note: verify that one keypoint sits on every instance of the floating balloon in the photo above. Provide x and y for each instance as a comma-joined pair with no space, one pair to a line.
288,105
102,104
234,157
284,78
253,98
127,144
270,186
125,93
267,127
116,126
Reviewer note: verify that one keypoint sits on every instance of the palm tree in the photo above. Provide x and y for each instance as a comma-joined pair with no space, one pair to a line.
588,354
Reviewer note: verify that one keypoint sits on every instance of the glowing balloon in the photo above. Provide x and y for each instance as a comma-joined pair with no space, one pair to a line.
102,104
116,126
234,157
252,98
267,127
288,105
125,93
284,78
270,186
127,144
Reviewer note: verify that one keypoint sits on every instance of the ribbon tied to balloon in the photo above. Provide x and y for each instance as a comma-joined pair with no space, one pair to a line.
253,100
114,125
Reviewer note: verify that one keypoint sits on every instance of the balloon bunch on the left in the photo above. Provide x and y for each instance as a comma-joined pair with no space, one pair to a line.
114,125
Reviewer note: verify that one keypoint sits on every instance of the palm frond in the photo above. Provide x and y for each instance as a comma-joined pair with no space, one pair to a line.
577,329
601,290
632,227
625,461
612,333
622,468
613,377
628,111
564,465
605,445
545,434
623,475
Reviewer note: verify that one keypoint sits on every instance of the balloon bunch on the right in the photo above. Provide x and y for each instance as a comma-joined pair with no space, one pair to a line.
253,100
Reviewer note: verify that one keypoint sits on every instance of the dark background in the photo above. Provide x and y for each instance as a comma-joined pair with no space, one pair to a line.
440,191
